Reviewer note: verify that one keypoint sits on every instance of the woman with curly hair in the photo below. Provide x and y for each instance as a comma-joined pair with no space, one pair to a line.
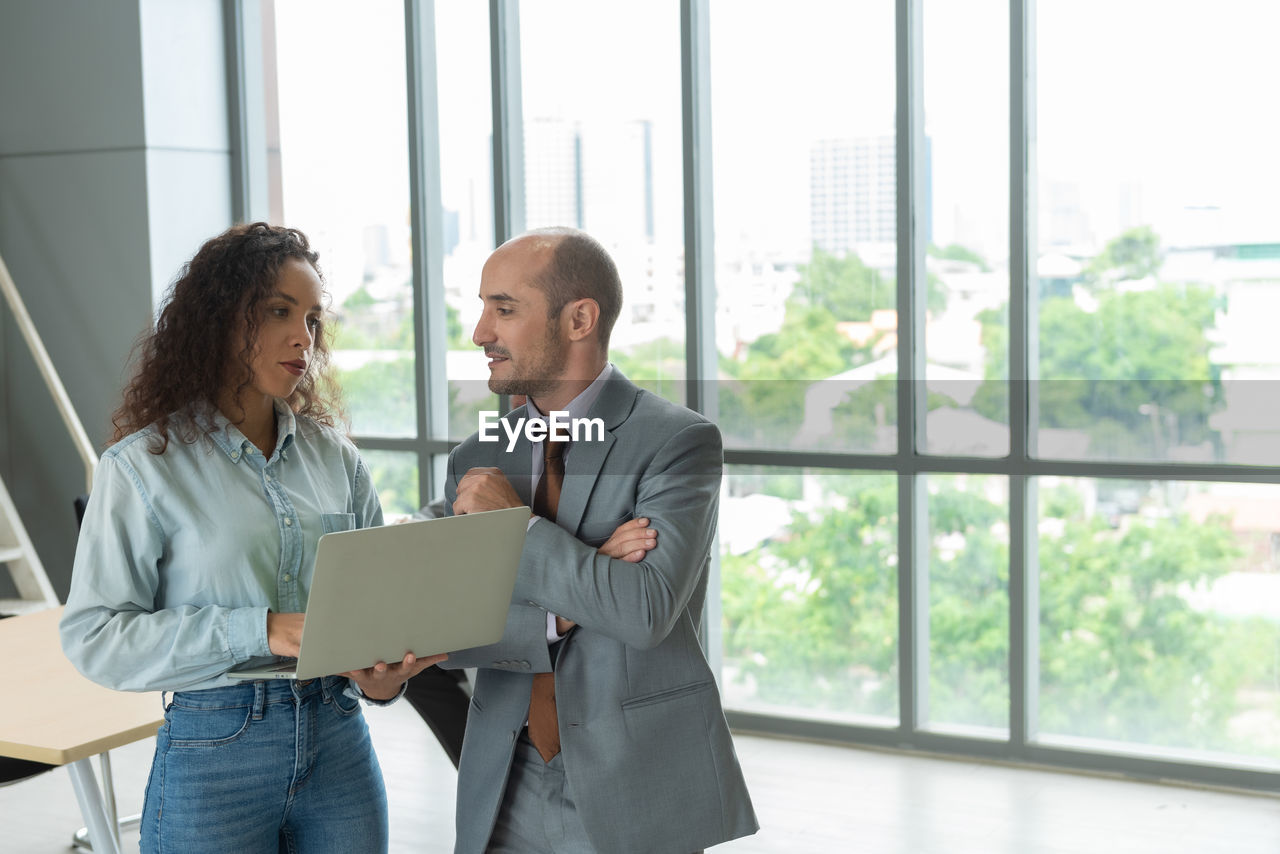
196,554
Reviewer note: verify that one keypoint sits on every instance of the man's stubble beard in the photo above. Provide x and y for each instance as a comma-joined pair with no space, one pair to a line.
545,370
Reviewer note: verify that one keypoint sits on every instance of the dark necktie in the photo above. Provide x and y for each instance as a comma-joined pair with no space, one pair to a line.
544,727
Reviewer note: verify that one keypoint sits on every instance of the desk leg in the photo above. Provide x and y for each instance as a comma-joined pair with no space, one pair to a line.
93,809
109,793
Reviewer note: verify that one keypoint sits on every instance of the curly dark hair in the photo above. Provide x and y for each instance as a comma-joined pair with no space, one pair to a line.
186,359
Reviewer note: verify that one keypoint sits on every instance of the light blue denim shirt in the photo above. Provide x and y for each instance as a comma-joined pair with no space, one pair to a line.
182,554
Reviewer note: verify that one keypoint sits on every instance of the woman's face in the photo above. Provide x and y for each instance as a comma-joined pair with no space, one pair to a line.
288,322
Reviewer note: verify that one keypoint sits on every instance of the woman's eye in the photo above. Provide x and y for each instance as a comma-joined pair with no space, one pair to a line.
280,311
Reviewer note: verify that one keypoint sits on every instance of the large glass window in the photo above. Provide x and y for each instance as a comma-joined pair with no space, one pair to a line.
395,475
1159,248
805,223
809,591
1159,617
966,227
968,600
602,153
345,181
466,189
1084,561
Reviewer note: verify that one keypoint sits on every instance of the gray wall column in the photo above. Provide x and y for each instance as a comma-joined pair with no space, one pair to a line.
114,165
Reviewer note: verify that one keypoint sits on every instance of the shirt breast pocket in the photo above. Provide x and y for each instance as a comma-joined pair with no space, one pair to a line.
332,522
595,533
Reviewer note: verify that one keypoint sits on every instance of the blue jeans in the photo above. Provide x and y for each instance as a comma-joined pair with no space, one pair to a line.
262,768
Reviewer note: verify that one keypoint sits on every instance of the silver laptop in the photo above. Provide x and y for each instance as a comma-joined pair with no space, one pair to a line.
423,587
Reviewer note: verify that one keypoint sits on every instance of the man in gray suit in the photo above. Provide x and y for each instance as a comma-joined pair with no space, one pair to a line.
596,724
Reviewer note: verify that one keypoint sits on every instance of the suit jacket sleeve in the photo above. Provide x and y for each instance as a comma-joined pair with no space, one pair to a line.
523,647
635,603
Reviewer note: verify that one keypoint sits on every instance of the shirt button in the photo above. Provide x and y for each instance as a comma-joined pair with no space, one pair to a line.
235,455
267,477
288,522
288,577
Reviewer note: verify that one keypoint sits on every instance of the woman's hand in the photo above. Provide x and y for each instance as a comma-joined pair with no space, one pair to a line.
382,681
631,541
284,633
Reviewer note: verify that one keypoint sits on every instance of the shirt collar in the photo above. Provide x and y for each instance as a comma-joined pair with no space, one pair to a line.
233,443
580,405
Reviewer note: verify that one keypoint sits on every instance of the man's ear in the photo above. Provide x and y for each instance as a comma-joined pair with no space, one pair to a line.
582,317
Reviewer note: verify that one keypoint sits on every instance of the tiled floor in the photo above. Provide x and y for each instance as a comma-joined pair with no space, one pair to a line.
809,797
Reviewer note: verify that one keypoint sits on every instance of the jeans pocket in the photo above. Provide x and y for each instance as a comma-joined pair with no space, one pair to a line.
194,727
345,705
332,522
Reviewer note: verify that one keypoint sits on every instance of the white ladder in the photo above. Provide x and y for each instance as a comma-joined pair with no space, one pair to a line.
19,557
16,551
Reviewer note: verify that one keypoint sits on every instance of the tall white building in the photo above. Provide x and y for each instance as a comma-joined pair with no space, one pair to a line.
552,173
598,176
853,193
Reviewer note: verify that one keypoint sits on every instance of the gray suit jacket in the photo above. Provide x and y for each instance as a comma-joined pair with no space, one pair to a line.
644,741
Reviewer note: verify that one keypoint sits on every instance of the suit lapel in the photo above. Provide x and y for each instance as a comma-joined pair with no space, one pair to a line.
586,459
582,468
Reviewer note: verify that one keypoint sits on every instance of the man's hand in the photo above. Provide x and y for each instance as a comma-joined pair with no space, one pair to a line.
382,681
630,541
284,633
484,489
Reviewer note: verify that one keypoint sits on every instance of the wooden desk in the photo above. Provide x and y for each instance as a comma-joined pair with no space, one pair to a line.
57,716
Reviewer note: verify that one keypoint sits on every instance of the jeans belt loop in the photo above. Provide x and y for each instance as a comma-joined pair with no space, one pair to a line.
165,703
259,699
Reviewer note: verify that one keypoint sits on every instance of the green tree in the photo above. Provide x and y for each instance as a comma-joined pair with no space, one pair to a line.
1135,254
850,290
765,402
873,406
956,252
657,365
458,338
359,299
380,397
1135,374
812,618
968,605
1122,654
843,286
395,476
